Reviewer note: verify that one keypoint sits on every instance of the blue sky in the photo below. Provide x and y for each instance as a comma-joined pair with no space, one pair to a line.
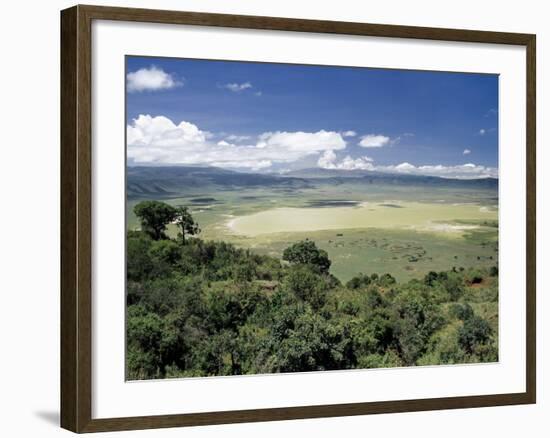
277,117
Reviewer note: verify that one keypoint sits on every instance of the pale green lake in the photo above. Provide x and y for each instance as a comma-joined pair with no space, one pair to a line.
434,217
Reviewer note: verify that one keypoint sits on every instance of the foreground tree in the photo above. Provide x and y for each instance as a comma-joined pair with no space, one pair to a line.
475,332
154,216
186,223
307,285
306,252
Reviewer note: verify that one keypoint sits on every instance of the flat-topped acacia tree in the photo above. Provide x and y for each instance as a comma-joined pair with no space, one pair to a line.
186,223
154,216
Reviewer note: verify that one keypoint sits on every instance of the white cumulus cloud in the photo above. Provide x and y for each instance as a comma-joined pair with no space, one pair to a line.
328,161
467,152
482,131
235,87
301,143
238,138
460,171
374,141
150,79
159,140
349,133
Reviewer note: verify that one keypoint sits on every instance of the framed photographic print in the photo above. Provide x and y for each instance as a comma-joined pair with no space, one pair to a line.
269,219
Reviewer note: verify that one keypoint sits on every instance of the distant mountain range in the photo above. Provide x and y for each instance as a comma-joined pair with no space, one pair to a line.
166,181
170,181
374,177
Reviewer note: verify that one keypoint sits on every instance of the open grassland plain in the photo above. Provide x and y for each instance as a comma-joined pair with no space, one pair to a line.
403,230
409,215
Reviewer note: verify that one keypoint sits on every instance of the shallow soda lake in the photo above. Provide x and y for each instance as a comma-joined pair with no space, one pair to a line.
436,217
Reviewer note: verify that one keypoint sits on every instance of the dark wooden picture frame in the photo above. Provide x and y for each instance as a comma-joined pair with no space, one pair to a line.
76,218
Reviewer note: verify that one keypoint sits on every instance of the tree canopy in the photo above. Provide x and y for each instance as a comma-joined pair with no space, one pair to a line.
186,223
154,216
306,252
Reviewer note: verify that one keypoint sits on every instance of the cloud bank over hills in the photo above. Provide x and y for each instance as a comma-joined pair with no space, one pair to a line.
158,140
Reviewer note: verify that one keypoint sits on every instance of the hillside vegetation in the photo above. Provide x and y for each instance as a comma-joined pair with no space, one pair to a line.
207,308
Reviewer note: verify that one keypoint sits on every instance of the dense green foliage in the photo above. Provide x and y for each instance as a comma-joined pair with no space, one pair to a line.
307,253
185,223
204,308
154,216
